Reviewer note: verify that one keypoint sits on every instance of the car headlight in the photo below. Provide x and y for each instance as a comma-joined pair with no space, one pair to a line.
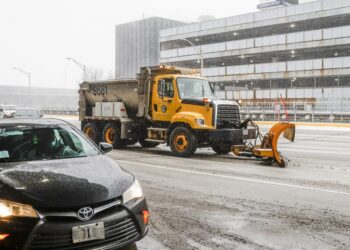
133,192
200,122
9,208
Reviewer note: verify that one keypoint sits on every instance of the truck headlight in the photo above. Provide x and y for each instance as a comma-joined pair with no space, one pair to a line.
200,122
9,208
133,192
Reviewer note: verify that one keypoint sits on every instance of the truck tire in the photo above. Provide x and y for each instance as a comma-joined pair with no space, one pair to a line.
111,135
183,142
222,149
148,144
91,130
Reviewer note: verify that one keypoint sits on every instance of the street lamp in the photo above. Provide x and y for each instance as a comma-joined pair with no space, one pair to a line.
292,81
199,51
337,81
27,74
80,65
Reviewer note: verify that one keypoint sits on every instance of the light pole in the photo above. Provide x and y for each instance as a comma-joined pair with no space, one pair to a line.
27,74
337,80
80,65
199,51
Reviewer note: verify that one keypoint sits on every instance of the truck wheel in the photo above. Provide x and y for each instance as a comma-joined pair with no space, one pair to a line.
111,135
221,149
148,144
183,142
91,130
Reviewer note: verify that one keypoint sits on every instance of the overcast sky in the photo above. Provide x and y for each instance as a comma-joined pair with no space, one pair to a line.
37,35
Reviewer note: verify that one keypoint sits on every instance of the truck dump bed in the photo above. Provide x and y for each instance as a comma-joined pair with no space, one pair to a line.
109,91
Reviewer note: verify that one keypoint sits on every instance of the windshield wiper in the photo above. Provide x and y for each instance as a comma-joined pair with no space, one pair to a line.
75,156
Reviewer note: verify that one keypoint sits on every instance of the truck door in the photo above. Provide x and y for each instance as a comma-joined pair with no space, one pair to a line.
163,104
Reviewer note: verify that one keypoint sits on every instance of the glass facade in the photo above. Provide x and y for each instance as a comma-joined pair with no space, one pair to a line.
308,44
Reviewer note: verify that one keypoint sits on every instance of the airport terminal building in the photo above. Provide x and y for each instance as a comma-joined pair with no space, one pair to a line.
300,52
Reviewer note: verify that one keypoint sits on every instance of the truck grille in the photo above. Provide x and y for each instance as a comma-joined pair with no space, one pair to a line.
117,234
228,116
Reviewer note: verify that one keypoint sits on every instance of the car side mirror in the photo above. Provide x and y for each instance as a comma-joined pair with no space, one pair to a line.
41,115
105,147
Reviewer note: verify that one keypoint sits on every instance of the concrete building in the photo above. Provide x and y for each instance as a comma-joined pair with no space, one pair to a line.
295,51
137,45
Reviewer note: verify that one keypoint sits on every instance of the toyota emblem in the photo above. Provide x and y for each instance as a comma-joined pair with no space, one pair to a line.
85,213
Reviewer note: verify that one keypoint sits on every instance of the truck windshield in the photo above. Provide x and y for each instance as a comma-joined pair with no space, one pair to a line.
25,143
193,88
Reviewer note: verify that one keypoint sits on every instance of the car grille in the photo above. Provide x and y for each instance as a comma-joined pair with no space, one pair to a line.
228,116
117,233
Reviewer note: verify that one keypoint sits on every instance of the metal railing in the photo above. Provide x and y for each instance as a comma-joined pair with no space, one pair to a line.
59,111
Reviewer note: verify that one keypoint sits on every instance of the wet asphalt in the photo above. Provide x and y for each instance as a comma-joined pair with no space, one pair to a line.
214,201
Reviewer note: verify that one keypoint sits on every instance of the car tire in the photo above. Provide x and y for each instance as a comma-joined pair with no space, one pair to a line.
183,142
111,135
91,130
222,149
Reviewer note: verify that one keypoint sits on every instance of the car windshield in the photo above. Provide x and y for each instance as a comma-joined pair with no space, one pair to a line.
25,143
193,88
27,113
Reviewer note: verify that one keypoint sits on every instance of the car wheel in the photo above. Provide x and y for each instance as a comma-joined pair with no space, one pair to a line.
183,142
91,130
111,135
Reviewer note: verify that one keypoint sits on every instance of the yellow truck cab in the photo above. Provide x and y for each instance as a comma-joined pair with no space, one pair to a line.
164,105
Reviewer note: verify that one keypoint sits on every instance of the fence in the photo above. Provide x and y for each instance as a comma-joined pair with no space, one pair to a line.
59,111
321,105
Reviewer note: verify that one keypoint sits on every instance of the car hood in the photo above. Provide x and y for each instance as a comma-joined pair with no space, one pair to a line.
64,183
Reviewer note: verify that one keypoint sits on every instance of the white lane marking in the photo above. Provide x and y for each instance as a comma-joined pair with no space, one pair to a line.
236,178
316,151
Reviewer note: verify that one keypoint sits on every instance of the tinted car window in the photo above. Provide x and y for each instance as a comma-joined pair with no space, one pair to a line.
25,143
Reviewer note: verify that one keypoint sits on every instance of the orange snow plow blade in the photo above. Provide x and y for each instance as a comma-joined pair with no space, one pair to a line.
268,147
267,150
